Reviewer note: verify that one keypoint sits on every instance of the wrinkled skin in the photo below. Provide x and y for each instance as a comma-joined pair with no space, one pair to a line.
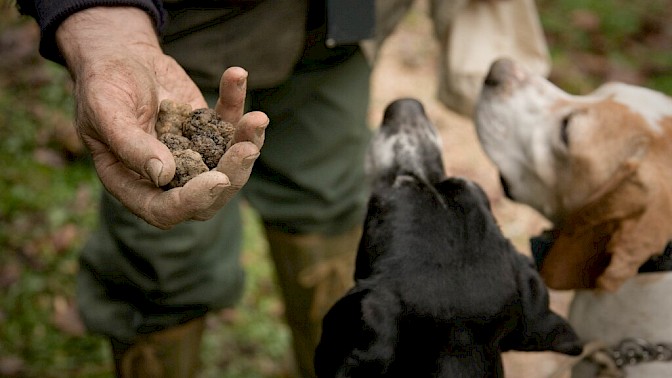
120,76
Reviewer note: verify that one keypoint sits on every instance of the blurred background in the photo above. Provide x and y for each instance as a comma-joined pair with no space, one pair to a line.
49,191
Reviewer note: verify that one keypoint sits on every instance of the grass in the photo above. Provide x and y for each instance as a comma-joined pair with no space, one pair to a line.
593,41
48,197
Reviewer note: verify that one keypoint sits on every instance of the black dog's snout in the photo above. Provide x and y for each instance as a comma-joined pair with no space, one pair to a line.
405,144
403,111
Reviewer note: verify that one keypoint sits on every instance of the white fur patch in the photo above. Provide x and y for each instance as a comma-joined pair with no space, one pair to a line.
653,106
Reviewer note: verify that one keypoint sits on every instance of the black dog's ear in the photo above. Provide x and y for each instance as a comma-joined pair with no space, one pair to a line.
539,328
358,336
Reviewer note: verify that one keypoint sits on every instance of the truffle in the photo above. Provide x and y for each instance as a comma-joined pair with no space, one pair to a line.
197,139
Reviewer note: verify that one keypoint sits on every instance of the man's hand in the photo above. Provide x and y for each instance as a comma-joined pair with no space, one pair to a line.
121,75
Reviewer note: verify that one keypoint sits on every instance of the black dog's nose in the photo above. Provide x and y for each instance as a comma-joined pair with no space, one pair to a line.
499,71
405,110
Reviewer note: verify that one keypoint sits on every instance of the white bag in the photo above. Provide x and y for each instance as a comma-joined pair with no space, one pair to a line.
480,33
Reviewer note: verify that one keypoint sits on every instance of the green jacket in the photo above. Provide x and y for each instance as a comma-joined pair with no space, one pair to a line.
267,38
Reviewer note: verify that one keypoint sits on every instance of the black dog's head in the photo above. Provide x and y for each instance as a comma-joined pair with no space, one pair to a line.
406,144
439,291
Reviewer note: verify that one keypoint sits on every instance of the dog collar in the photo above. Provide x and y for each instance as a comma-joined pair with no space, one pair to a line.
541,246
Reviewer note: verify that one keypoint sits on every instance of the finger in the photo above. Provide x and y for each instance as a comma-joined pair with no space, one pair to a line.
237,165
162,209
192,201
204,197
145,154
120,111
133,190
252,128
165,209
232,91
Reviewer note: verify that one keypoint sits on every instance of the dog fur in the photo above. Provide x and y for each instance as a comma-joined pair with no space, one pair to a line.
597,166
439,291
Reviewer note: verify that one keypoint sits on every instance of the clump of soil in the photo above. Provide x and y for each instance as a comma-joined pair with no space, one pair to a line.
197,139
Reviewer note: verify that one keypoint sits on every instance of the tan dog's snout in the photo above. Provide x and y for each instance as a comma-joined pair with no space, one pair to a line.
592,158
503,73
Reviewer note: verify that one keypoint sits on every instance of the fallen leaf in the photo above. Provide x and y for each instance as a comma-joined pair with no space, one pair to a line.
66,317
63,238
49,157
9,274
11,366
586,20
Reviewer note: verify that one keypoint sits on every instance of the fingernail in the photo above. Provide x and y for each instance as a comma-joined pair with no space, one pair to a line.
249,160
241,82
216,190
153,168
259,131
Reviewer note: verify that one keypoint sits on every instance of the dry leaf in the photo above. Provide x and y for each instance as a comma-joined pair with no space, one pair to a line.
66,317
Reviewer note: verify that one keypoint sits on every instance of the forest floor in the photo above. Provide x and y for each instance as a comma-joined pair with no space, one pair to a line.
49,191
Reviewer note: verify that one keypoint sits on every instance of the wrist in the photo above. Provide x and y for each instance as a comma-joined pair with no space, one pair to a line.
99,32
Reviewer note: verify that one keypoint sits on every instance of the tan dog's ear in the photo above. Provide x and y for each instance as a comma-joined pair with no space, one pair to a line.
635,241
576,260
585,243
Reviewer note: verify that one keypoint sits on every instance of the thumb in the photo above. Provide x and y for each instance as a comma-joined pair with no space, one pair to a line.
126,134
236,164
144,154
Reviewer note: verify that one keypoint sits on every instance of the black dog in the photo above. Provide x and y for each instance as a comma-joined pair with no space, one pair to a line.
439,291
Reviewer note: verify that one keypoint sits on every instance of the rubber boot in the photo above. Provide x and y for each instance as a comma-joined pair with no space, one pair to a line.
313,272
170,353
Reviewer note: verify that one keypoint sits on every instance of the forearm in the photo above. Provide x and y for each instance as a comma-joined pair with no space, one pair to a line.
49,14
99,34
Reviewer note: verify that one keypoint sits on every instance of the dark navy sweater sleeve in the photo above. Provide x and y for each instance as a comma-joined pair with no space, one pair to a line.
49,14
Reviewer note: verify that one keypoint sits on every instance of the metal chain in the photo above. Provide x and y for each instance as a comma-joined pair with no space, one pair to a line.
632,351
611,360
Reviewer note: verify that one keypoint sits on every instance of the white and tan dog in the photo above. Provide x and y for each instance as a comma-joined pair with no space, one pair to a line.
600,168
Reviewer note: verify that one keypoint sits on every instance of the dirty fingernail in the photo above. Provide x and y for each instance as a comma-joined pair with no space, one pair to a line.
216,190
153,168
259,131
249,160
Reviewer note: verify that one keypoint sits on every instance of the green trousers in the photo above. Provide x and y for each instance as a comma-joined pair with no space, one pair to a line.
136,279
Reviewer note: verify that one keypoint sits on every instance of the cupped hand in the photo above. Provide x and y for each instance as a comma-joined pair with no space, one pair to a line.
120,78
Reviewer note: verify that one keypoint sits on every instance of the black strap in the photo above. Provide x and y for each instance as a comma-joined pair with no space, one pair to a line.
659,263
541,246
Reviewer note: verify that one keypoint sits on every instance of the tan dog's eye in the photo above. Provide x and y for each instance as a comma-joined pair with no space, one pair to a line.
563,129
